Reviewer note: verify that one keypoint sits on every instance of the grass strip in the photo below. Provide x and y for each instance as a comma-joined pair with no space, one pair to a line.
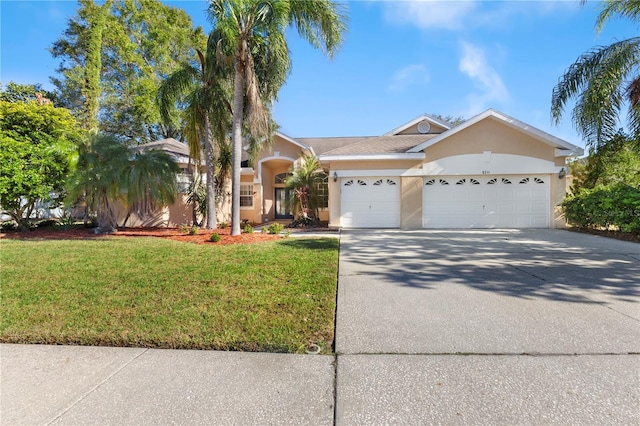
149,292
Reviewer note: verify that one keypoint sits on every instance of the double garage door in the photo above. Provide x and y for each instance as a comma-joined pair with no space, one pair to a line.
450,202
486,202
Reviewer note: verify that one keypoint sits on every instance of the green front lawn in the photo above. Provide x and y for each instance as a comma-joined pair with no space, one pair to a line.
149,292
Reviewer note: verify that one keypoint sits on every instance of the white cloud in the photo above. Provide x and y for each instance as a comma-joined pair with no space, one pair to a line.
461,14
429,14
489,84
409,75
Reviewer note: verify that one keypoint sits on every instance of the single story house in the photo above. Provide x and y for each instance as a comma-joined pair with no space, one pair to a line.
491,171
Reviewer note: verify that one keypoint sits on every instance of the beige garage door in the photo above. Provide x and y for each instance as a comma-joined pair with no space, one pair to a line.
486,202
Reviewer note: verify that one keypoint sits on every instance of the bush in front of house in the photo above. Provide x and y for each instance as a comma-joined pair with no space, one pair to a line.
275,228
616,205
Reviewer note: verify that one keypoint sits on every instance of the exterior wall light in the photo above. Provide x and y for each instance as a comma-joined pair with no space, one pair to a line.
335,176
562,173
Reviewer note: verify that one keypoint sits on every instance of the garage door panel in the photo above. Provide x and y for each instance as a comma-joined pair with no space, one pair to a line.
370,202
493,202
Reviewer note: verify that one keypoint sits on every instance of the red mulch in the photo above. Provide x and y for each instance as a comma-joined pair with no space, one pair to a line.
202,237
618,235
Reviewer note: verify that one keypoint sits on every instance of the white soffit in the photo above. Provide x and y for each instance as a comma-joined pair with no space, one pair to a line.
509,121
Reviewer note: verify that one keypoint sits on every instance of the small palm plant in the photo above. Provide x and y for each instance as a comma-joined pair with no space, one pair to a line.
108,171
304,184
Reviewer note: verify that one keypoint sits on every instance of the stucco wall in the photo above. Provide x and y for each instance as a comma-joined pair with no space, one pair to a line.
411,203
558,189
490,135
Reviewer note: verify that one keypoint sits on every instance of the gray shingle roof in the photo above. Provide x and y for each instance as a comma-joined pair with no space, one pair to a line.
322,145
168,145
381,145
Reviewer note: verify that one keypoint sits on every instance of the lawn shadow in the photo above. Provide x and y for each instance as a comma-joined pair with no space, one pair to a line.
310,243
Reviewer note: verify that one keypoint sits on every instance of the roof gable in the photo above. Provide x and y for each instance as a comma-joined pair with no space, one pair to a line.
507,121
440,125
294,142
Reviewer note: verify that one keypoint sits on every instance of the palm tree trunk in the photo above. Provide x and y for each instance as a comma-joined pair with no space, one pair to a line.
236,137
210,185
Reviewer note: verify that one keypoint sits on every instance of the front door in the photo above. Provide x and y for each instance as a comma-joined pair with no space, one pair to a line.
282,208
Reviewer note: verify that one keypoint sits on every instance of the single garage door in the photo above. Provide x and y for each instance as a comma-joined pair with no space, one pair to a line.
370,202
486,202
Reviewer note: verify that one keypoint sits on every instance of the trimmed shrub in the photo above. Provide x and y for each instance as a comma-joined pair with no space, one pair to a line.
214,238
616,205
275,228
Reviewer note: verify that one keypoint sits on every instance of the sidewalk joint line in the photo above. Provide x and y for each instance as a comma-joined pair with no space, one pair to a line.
94,388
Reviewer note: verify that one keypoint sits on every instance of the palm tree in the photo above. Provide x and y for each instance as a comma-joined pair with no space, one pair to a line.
204,90
603,80
149,182
108,172
304,183
253,37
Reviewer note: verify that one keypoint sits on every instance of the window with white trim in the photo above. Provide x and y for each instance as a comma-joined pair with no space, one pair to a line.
323,194
246,196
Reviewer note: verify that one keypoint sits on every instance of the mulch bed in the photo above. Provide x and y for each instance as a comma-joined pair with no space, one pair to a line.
618,235
201,237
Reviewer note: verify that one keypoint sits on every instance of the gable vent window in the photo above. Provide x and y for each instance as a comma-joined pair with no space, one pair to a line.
506,181
538,180
391,182
523,181
378,182
492,181
461,182
430,182
443,182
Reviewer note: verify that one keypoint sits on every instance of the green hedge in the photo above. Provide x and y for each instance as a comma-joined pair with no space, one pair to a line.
616,205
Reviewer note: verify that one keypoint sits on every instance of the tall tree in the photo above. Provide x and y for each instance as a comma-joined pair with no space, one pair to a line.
143,42
37,146
93,66
203,89
253,36
603,80
16,92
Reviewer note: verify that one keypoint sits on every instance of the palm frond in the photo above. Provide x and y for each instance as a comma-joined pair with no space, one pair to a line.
597,78
622,8
320,22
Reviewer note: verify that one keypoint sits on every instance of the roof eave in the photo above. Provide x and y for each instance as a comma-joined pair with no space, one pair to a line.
369,157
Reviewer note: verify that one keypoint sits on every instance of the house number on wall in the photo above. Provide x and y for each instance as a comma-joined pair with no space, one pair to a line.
486,172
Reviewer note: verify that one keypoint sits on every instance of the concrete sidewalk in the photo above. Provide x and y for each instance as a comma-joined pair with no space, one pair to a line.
70,385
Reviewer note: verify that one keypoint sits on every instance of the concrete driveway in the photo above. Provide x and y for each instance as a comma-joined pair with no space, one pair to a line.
487,326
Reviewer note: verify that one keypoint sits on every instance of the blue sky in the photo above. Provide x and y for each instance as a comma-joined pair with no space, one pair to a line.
399,59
